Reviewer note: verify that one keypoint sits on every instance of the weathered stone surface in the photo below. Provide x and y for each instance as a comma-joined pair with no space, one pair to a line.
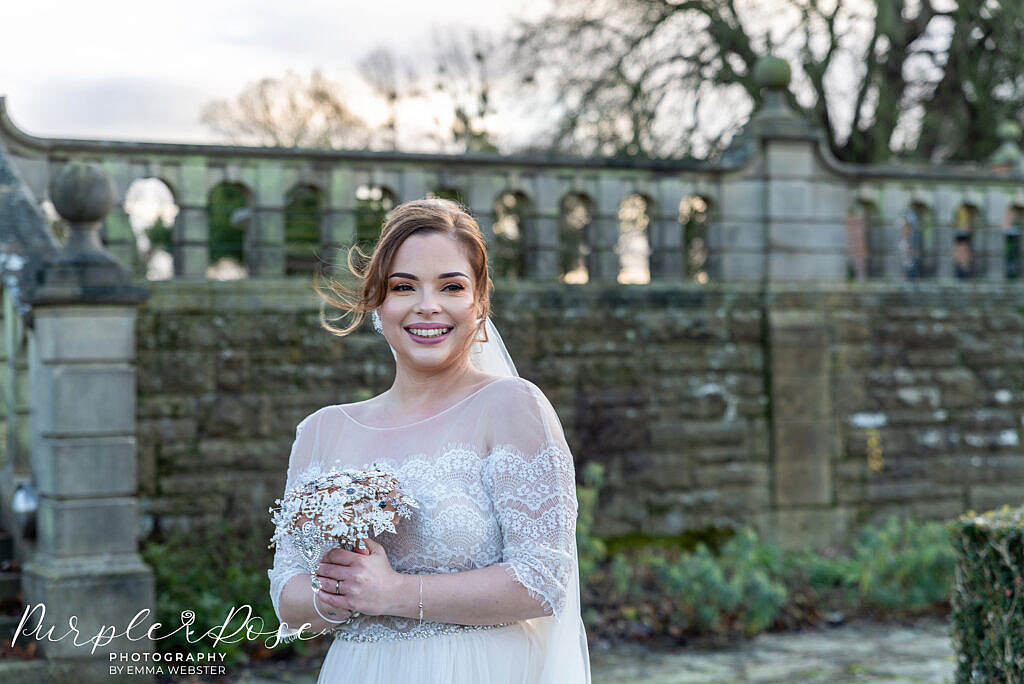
854,398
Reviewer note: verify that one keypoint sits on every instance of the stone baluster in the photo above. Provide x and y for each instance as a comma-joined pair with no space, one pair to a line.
265,241
666,234
265,237
190,235
603,262
339,229
543,223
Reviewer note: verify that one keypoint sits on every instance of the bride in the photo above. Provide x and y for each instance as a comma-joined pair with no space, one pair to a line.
481,583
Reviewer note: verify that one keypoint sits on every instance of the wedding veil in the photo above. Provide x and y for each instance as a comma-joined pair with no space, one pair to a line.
563,637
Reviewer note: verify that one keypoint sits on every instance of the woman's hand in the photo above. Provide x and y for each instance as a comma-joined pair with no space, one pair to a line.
367,582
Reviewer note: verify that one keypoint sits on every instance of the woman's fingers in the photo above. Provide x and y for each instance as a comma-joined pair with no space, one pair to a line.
332,571
341,556
331,586
335,600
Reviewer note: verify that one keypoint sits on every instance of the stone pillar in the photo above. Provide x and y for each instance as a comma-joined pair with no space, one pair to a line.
82,389
788,196
805,439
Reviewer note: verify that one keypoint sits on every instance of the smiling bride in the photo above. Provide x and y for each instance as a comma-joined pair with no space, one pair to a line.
481,583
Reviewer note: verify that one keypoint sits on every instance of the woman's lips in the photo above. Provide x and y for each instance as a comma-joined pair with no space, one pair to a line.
429,340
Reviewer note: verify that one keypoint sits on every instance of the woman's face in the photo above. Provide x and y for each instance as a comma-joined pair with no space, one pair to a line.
430,282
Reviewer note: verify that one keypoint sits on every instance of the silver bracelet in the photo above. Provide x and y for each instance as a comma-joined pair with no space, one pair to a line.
421,599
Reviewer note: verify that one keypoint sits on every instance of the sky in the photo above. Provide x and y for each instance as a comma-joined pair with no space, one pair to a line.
120,70
143,70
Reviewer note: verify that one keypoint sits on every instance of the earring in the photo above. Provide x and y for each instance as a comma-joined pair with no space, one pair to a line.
377,325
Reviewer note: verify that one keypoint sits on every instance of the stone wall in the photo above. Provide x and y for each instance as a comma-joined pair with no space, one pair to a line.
843,402
928,392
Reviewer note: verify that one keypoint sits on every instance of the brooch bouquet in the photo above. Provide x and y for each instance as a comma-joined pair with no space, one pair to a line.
337,508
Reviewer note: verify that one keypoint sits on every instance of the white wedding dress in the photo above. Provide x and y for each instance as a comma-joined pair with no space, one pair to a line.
495,483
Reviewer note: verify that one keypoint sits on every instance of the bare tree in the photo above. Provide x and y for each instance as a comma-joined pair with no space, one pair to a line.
457,77
465,66
392,78
289,112
927,78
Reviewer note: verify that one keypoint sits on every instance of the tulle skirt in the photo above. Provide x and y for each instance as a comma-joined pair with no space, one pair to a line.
503,655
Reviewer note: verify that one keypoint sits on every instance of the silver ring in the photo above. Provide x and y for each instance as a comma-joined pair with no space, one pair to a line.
337,586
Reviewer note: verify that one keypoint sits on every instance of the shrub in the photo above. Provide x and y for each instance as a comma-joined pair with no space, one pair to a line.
749,585
590,549
904,564
737,591
210,570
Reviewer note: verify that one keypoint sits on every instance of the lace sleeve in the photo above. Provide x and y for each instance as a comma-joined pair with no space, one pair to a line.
287,560
531,479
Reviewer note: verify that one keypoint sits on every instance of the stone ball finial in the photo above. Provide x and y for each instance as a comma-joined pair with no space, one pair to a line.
772,72
82,192
1008,131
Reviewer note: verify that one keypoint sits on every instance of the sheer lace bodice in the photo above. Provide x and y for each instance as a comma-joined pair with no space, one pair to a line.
495,483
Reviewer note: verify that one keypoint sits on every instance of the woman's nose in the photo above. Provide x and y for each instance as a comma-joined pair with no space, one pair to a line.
428,300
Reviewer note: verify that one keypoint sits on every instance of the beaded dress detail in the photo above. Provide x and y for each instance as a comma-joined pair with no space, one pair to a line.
495,483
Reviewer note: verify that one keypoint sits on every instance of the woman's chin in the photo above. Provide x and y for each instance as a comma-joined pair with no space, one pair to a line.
426,355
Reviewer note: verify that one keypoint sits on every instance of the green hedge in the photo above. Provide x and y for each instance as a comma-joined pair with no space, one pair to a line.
988,597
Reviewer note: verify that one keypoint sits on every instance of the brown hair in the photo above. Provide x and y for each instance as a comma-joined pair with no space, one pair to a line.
408,218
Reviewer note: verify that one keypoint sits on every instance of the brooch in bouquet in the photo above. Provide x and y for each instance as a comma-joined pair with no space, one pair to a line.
337,508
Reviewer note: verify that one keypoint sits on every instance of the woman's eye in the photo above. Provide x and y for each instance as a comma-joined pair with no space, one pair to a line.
455,285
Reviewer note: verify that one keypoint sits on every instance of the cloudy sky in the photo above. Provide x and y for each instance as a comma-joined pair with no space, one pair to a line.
143,70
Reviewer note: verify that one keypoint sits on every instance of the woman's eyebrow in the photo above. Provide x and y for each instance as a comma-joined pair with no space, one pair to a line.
410,276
